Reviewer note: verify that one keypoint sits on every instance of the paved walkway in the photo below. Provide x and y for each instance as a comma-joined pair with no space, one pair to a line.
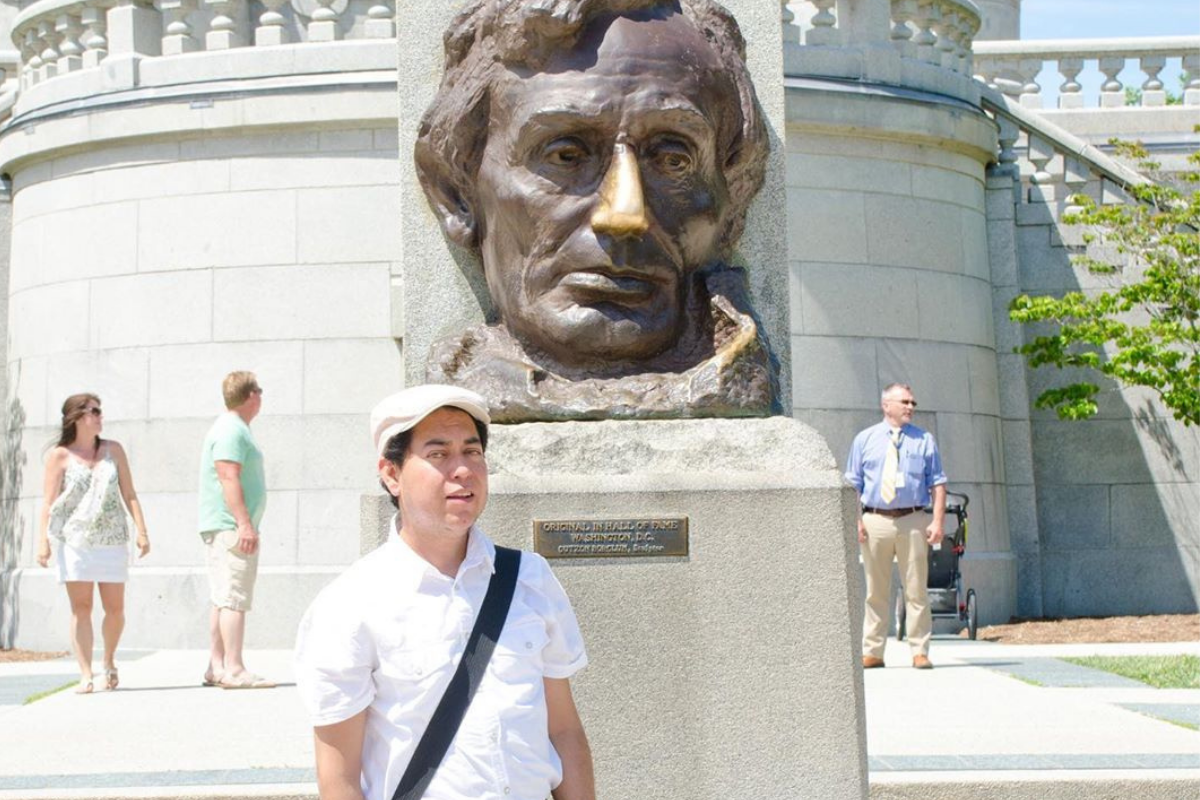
986,711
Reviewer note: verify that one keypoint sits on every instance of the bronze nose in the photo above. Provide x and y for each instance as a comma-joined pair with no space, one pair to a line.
622,208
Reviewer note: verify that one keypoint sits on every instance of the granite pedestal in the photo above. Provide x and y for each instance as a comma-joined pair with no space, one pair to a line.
730,672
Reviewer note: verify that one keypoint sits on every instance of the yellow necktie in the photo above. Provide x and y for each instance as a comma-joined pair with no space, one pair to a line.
887,488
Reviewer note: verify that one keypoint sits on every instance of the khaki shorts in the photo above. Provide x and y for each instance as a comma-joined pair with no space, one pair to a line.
231,573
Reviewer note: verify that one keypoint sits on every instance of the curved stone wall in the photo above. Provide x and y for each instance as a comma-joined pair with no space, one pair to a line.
891,282
148,261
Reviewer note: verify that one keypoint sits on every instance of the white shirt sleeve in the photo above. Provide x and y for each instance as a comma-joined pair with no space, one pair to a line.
564,654
334,659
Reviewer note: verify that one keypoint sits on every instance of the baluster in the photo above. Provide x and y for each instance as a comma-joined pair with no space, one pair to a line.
1070,94
1040,153
71,51
928,14
95,46
223,32
1075,176
270,30
823,31
1191,92
1112,93
46,34
33,57
986,70
1152,89
177,38
947,49
1007,135
380,23
903,12
323,26
1031,92
966,56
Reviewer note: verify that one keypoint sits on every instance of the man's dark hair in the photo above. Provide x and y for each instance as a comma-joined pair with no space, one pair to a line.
397,447
491,36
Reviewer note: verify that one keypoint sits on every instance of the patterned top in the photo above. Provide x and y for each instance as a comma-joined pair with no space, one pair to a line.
89,511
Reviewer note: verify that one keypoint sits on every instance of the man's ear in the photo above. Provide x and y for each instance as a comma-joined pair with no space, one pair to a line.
389,476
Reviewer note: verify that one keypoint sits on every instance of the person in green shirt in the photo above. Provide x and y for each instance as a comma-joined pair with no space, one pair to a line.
233,496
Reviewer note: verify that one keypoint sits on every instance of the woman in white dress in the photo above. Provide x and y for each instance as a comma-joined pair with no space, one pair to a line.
88,489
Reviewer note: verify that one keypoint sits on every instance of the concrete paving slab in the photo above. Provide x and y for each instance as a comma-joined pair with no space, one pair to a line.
1180,713
1055,672
966,709
161,728
980,733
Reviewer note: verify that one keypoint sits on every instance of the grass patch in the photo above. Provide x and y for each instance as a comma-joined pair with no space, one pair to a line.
1023,679
1161,672
33,698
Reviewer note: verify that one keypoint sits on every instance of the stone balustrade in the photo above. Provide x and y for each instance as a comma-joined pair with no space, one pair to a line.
1056,165
1013,67
936,32
59,37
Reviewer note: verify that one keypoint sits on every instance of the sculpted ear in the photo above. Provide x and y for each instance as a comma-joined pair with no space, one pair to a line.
454,212
452,208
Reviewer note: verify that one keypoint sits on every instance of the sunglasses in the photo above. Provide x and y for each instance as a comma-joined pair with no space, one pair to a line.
94,411
911,403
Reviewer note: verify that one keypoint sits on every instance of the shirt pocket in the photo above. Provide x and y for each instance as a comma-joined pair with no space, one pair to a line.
914,464
520,648
409,665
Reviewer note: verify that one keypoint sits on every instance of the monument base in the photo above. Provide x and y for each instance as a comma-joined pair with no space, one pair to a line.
728,672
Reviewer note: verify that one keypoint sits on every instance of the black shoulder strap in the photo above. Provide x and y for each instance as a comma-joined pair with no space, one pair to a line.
443,726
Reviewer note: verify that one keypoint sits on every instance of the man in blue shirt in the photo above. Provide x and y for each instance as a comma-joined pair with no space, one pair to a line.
896,467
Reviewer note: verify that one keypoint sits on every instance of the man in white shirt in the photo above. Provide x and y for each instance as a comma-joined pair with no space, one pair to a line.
379,645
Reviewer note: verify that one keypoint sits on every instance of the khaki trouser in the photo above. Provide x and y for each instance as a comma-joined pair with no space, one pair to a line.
903,539
231,573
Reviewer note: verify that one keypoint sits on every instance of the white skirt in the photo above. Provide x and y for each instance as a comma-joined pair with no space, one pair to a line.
108,564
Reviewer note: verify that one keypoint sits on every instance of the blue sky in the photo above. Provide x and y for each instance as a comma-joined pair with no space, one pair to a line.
1097,19
1107,19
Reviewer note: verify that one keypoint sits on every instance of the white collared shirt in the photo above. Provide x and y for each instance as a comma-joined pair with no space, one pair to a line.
387,635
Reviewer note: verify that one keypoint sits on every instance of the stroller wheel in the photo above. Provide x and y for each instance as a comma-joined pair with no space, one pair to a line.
901,613
972,614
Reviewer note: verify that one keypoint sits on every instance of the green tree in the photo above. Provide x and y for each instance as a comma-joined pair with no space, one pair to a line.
1144,328
1133,95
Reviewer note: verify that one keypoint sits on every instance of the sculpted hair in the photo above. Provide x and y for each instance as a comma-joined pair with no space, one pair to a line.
73,409
492,35
396,450
237,388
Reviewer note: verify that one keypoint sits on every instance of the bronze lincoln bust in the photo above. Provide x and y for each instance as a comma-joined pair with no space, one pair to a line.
600,156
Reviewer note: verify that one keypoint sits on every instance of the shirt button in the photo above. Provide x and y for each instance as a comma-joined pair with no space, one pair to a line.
529,645
506,790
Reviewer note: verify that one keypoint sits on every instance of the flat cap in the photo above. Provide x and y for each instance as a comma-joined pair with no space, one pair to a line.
403,410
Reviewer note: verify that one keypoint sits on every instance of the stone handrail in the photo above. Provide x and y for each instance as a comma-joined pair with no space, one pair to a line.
1047,140
1013,67
58,37
1060,164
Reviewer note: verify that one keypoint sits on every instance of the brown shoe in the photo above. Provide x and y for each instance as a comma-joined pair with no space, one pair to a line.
922,662
871,662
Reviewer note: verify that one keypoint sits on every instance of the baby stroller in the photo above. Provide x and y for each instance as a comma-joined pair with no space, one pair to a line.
946,598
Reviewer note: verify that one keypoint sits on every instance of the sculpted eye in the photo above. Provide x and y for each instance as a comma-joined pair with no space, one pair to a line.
566,153
672,157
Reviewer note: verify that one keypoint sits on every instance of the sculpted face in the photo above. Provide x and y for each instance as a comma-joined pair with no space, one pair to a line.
600,188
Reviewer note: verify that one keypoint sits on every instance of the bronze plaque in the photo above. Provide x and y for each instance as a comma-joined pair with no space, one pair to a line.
611,538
